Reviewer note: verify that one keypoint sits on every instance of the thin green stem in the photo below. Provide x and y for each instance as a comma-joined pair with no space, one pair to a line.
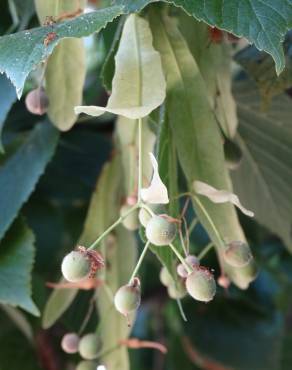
140,165
139,262
181,310
203,209
182,242
148,209
205,251
180,257
115,224
192,226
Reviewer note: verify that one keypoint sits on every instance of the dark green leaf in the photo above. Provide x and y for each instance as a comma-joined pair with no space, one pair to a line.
7,98
265,139
22,52
234,335
260,67
16,260
108,69
21,171
16,352
263,23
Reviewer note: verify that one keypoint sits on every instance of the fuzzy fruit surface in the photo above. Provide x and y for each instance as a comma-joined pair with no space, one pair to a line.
75,267
37,102
144,215
237,254
201,285
131,221
86,365
127,299
160,231
89,346
70,343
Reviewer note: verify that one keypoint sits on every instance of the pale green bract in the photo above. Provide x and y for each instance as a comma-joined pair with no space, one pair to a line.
220,196
196,135
138,85
65,70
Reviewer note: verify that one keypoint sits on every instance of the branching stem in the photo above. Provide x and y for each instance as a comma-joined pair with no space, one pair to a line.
115,224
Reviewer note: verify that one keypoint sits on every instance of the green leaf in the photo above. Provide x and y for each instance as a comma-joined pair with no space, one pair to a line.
265,139
16,260
214,62
262,23
24,51
7,98
195,131
260,67
58,302
65,70
236,324
19,320
20,172
138,86
16,351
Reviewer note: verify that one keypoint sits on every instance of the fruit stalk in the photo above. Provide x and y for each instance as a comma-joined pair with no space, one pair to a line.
139,262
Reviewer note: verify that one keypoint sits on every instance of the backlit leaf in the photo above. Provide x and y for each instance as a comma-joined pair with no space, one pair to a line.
196,133
138,86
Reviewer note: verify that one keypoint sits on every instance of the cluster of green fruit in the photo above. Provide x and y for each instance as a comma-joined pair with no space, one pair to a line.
88,347
160,230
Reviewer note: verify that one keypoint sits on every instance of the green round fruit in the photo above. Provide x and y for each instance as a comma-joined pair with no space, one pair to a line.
127,298
86,365
144,215
181,271
89,346
160,231
131,221
70,343
237,254
201,285
177,291
165,277
75,267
